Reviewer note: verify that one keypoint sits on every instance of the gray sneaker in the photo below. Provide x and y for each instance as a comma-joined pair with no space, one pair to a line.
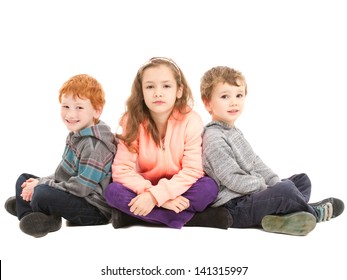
298,223
38,224
328,208
10,205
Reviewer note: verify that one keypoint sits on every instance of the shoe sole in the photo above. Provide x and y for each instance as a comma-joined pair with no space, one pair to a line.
10,205
299,223
38,224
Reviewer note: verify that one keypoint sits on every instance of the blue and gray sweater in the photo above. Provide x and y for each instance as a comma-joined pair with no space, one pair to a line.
85,169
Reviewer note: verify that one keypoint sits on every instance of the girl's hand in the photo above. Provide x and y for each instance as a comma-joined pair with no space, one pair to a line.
28,189
142,204
177,205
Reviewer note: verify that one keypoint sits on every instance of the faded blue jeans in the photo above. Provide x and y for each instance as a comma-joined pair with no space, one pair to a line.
202,193
52,201
287,196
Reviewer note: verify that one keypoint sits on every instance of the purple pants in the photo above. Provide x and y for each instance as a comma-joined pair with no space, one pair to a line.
202,193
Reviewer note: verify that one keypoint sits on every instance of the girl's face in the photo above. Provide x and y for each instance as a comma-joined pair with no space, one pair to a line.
160,90
77,113
227,102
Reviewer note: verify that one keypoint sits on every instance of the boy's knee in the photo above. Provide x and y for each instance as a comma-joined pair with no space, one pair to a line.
22,178
288,189
41,196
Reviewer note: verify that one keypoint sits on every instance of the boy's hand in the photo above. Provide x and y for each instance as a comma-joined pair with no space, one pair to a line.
28,188
142,204
177,205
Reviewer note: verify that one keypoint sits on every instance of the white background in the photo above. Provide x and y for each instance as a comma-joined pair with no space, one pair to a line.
293,55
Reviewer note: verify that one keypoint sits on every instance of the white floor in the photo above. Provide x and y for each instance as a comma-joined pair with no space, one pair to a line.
84,252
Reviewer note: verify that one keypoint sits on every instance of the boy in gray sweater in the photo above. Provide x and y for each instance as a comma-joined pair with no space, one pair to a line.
75,190
250,190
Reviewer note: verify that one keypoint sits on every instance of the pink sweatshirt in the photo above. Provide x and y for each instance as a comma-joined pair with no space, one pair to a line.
167,171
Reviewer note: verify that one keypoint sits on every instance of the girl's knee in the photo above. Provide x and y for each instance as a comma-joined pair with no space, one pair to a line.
209,185
112,189
116,193
203,193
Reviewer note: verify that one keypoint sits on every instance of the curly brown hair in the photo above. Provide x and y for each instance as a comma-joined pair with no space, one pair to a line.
219,74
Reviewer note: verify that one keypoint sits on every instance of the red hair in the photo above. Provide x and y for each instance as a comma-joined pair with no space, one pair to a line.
84,86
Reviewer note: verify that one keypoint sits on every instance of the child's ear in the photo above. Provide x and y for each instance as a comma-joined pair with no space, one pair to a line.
179,92
97,113
207,106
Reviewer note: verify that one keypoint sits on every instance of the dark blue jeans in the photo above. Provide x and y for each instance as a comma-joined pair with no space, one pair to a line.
288,196
52,201
202,193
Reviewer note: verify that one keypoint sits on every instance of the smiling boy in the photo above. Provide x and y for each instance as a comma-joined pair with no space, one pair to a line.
75,190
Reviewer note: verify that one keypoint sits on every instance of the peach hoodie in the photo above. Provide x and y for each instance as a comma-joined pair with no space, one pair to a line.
167,171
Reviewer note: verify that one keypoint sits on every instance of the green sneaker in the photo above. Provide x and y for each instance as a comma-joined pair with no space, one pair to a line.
298,223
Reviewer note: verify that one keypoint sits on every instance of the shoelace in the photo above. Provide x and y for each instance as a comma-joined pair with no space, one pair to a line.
325,212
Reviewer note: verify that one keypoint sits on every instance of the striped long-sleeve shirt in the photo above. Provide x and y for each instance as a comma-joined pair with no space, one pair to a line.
85,169
229,159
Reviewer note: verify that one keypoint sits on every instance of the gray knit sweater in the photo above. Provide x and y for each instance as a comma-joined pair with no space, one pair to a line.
230,160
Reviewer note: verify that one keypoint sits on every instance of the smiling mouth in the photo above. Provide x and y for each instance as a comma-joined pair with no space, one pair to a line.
72,121
233,111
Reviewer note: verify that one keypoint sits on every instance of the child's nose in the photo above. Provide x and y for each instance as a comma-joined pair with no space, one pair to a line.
158,92
70,113
232,102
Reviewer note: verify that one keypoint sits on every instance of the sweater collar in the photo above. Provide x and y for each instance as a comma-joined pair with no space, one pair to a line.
220,124
100,131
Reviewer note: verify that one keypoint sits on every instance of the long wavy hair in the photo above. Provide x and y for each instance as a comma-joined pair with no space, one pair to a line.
137,112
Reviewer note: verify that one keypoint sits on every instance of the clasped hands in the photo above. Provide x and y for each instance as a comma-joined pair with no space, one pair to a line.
28,188
144,203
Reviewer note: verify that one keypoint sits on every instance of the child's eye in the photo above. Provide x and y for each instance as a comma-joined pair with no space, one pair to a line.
167,86
225,96
149,87
240,95
65,107
79,108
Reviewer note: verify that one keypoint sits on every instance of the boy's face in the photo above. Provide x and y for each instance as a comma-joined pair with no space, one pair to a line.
227,102
77,113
